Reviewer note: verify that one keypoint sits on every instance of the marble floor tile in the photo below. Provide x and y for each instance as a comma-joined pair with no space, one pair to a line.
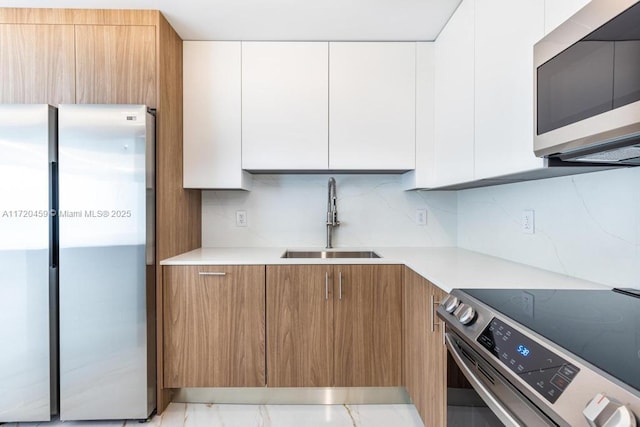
211,415
307,415
384,415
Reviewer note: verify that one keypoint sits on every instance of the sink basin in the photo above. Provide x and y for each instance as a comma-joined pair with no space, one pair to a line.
330,254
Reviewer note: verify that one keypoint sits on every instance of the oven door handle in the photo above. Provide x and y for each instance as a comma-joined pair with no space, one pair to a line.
489,398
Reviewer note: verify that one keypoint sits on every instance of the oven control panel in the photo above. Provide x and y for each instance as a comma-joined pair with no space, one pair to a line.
546,372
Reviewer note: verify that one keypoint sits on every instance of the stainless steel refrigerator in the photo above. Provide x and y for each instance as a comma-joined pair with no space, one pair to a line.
99,184
28,289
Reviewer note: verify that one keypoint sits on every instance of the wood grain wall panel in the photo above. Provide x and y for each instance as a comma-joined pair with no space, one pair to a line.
78,16
37,64
368,325
178,211
116,64
214,326
180,225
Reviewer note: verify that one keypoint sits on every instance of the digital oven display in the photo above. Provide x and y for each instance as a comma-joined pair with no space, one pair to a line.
546,372
524,351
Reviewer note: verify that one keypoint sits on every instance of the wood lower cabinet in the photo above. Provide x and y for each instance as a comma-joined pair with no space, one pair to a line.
334,325
367,326
425,361
214,326
299,326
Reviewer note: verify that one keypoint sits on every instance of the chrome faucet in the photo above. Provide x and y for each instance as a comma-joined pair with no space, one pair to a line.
332,211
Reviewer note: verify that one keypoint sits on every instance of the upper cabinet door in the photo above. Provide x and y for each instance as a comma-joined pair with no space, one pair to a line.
454,98
116,64
213,116
284,105
37,64
505,34
372,106
423,175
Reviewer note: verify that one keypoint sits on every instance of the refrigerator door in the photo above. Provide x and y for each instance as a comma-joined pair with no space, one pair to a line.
107,341
27,148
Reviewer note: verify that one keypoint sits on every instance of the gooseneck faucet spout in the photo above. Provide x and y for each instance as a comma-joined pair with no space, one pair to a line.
332,211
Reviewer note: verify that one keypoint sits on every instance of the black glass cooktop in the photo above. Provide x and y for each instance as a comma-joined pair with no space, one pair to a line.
600,326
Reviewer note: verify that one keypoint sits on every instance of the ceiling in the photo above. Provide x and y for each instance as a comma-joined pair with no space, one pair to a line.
285,19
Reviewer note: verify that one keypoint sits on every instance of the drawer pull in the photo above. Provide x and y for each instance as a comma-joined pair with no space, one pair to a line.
211,273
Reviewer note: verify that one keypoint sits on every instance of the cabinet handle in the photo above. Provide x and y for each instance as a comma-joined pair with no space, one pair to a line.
326,286
433,304
340,287
211,273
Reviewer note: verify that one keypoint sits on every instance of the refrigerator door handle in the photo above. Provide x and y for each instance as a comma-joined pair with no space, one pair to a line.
53,214
53,340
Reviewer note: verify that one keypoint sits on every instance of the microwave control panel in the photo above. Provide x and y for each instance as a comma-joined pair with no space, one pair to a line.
546,372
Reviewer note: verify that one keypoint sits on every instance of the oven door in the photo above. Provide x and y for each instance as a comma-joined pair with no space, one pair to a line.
510,406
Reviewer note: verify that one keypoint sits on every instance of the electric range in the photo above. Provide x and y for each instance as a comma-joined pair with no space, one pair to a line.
549,357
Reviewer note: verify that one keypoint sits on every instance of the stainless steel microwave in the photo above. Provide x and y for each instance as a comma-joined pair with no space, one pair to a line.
587,86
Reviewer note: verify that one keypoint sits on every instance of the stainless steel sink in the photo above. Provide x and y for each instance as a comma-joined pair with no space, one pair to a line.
330,254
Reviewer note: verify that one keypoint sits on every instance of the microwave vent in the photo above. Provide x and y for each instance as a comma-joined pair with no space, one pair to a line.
616,155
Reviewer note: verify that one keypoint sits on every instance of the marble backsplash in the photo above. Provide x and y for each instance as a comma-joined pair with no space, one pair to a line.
587,226
290,211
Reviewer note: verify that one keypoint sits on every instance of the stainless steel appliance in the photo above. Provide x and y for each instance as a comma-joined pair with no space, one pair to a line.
102,231
106,170
28,289
549,357
587,86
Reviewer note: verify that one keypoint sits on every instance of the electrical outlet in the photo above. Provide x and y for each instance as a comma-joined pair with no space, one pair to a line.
421,217
241,218
528,222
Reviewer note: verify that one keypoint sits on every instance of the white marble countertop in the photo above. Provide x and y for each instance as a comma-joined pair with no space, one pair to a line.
447,268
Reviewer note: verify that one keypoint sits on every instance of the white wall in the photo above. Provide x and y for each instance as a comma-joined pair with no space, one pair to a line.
290,211
586,226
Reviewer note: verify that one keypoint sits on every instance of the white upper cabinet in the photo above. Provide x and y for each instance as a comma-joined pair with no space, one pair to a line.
296,106
483,126
505,32
454,99
422,175
212,116
558,11
284,105
372,105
